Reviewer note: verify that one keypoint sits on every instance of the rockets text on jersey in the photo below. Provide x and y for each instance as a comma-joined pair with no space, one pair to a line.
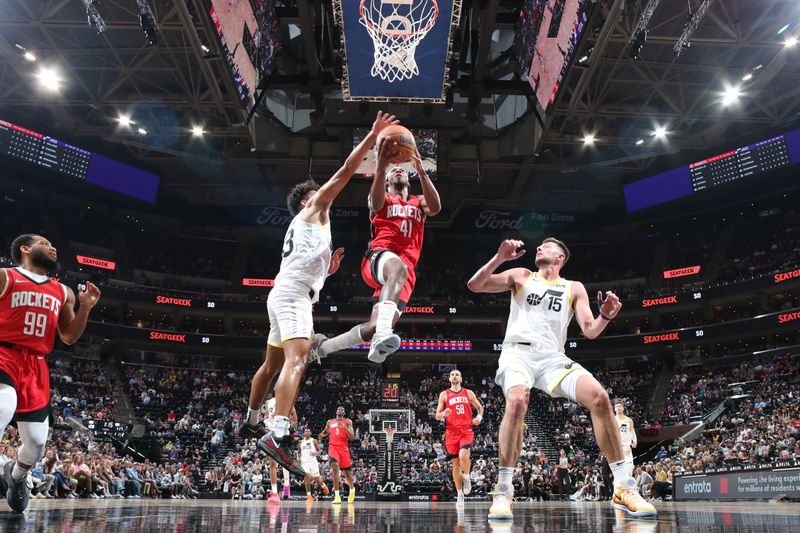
461,409
399,226
29,309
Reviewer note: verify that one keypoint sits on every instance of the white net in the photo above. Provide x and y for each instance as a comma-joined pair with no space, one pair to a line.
396,28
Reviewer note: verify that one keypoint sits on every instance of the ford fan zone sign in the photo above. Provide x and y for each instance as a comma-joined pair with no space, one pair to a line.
396,50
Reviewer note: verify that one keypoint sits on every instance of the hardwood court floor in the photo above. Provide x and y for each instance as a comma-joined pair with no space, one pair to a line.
222,516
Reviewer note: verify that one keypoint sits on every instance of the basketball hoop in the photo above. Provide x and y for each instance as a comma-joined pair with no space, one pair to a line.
396,28
389,432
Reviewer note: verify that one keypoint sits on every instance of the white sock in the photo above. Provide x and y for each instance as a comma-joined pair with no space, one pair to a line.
286,480
308,493
620,471
342,342
505,473
281,426
18,473
460,493
275,488
252,417
336,493
386,311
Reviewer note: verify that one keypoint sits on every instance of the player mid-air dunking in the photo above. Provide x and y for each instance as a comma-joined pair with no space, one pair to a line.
455,408
398,226
340,431
627,433
33,307
542,306
306,262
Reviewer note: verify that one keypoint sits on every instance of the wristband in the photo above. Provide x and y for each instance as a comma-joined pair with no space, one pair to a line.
480,418
604,317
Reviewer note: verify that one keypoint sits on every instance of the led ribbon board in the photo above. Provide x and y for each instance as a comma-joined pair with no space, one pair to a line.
396,50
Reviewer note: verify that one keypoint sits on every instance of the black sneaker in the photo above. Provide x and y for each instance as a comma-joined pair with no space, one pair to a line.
17,495
250,431
281,452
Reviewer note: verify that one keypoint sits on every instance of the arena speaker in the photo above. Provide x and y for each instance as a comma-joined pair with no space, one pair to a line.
267,136
524,138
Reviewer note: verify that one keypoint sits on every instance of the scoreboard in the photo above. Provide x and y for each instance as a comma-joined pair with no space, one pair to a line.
740,163
390,392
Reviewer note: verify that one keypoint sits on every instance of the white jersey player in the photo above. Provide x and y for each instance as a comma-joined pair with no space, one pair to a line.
309,450
542,306
627,433
306,261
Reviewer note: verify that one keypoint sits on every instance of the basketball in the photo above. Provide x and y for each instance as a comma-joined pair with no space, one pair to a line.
402,143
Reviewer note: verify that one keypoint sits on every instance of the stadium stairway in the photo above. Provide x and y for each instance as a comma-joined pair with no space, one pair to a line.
659,396
544,440
124,411
720,251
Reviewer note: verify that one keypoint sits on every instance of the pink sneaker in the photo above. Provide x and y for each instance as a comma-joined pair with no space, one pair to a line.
274,499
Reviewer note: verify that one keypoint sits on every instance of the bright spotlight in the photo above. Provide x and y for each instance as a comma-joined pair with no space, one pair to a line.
639,142
790,42
747,77
731,96
588,139
48,78
142,131
29,56
660,132
124,120
197,131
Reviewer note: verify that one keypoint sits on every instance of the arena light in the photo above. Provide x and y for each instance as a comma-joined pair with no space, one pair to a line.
198,131
660,132
49,78
747,77
124,120
731,95
588,139
639,142
29,56
142,131
790,42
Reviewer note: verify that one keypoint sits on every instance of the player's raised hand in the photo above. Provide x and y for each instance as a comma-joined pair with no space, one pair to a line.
611,304
336,261
511,250
88,294
382,121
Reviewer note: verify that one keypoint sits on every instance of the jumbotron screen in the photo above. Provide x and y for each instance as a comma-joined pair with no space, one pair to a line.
248,33
547,34
427,144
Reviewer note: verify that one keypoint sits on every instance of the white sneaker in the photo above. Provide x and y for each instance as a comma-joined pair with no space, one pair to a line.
382,346
315,354
502,495
460,499
466,484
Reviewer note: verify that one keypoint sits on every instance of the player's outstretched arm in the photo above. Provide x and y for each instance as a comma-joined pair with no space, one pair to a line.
331,189
635,441
590,326
377,191
325,431
431,203
71,324
485,280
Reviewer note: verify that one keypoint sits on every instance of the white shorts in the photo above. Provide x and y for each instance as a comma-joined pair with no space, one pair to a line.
311,467
290,314
553,373
628,453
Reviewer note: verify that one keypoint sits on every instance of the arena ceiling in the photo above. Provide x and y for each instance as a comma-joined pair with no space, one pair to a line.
491,152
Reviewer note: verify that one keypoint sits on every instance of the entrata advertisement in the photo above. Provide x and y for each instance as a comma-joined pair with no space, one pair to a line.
742,485
396,49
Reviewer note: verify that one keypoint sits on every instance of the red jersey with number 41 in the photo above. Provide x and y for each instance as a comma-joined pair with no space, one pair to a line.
338,432
461,410
29,311
399,227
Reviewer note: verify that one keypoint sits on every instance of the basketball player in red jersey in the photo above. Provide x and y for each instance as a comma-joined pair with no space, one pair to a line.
398,226
455,408
340,430
33,307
